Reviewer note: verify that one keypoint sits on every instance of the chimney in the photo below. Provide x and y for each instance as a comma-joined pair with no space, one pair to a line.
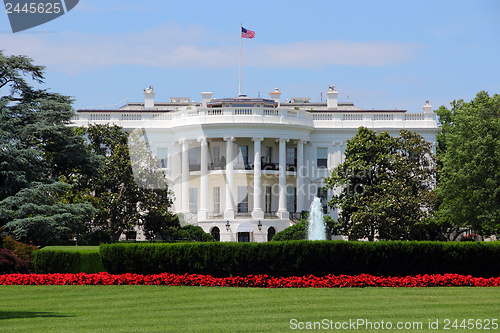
205,98
331,98
427,107
149,98
275,95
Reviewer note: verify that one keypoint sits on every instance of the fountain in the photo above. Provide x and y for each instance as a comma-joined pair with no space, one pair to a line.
316,229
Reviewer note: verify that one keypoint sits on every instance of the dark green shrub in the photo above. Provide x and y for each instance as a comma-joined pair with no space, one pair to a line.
60,261
304,257
193,234
295,232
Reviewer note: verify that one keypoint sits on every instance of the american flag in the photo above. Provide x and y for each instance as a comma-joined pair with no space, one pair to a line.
247,33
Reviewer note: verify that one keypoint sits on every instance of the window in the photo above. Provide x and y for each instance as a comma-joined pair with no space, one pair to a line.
268,154
270,233
216,233
243,154
242,199
193,200
216,200
291,156
322,157
216,154
131,235
243,237
268,200
193,156
291,199
194,164
162,154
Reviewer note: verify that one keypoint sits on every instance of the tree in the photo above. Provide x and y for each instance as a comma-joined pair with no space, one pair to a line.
41,215
128,188
384,187
37,150
36,143
193,234
469,151
299,230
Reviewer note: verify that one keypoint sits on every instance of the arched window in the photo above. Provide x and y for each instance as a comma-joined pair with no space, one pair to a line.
216,233
270,233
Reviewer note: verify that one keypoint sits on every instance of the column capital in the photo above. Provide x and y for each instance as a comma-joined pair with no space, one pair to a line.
231,138
182,141
282,139
202,140
257,139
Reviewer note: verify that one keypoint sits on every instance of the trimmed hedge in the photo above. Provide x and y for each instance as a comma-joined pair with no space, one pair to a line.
60,261
300,258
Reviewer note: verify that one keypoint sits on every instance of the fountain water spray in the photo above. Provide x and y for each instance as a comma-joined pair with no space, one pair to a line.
316,229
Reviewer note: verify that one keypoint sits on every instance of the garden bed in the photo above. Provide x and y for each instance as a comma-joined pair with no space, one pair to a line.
256,281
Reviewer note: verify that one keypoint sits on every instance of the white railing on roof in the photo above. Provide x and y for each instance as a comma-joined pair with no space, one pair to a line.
270,112
241,112
215,112
322,116
130,117
352,117
383,117
414,116
197,116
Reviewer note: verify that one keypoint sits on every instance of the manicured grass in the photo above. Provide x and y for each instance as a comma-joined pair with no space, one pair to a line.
72,248
203,309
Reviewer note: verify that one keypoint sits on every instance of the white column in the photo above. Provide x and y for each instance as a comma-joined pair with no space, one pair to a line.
203,212
185,176
282,212
229,209
301,193
257,212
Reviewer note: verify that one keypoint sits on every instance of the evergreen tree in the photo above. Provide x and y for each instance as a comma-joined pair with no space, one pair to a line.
41,215
37,149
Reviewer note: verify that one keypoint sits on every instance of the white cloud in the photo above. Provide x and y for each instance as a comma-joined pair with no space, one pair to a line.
175,46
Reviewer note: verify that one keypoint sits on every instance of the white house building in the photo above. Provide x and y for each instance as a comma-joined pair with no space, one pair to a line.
242,168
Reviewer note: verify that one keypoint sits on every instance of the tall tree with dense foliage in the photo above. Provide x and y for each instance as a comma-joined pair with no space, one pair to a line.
127,191
41,215
469,151
37,148
384,187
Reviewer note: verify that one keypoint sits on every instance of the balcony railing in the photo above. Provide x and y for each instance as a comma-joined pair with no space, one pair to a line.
171,119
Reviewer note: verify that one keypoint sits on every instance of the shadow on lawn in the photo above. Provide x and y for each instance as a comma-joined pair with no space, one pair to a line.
27,314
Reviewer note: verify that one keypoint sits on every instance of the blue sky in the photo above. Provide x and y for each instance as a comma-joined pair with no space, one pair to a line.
382,54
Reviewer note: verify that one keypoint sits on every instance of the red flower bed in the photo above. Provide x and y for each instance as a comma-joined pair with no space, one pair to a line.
259,281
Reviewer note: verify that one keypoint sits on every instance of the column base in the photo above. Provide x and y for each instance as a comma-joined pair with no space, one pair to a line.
257,214
202,215
283,215
229,215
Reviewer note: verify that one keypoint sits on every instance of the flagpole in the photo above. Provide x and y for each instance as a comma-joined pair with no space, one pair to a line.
239,87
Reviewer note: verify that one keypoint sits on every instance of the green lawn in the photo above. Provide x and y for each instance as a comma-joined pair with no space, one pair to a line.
72,248
197,309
